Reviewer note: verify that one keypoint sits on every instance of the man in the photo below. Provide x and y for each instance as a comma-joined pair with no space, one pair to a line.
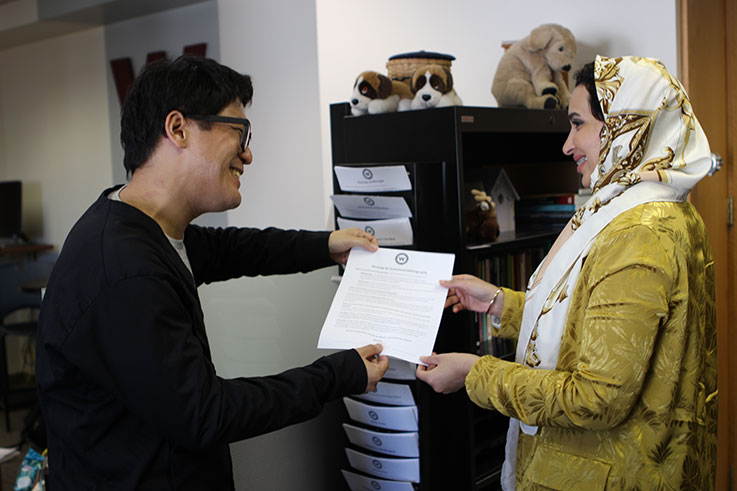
127,386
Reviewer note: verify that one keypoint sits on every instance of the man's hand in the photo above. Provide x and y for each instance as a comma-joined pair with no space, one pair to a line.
446,373
341,242
376,364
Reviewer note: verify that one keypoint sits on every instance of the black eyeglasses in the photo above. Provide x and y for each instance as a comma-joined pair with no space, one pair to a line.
245,137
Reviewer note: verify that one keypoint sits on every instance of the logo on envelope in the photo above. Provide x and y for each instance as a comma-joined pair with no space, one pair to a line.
369,230
377,464
401,258
375,485
367,174
376,440
373,415
369,201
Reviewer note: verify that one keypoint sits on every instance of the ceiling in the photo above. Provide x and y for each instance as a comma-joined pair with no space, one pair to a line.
59,18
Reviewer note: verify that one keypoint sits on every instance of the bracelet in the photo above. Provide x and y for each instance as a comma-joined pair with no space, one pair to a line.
493,299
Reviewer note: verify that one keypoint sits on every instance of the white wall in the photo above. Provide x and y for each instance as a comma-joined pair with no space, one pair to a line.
354,36
168,31
53,129
260,326
276,43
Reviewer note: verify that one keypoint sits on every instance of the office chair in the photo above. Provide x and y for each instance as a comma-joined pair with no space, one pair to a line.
18,317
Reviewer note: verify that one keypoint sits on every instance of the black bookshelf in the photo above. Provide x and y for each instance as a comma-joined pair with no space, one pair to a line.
461,445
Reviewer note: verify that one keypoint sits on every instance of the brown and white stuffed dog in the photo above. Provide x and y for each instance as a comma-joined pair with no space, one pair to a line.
530,72
374,93
433,87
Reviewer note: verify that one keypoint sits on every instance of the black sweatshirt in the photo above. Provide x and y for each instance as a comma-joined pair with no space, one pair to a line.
127,386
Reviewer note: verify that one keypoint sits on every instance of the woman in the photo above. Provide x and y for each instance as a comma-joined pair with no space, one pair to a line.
614,382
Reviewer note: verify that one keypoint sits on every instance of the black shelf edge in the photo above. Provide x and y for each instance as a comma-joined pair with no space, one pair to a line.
514,240
477,118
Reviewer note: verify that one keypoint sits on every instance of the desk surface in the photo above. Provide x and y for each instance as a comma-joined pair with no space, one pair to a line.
25,248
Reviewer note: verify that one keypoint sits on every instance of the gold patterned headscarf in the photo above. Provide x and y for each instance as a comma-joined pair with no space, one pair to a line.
652,149
650,132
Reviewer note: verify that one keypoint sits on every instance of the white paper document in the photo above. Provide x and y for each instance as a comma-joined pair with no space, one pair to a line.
390,232
390,394
390,468
392,297
396,444
400,370
359,482
373,179
370,207
399,418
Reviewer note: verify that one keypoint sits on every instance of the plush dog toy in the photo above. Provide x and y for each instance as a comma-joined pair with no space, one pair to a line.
374,93
433,87
480,220
530,72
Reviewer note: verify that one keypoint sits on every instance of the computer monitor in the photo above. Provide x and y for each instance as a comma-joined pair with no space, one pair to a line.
10,210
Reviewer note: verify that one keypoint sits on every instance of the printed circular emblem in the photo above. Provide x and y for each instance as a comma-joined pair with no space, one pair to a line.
373,415
377,464
376,440
370,230
368,201
375,485
401,258
367,174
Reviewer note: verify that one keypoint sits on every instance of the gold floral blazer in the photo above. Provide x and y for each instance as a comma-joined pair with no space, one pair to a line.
632,401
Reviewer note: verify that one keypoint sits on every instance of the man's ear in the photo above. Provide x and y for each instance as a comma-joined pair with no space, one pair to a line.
174,125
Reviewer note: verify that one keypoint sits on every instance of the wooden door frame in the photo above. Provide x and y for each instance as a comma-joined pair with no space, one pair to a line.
709,72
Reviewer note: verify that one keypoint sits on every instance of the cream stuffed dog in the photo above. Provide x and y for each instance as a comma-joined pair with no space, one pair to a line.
529,73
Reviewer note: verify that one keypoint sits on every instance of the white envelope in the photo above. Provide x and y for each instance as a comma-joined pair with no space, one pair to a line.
390,394
358,482
400,370
398,469
392,232
370,207
373,179
396,444
402,418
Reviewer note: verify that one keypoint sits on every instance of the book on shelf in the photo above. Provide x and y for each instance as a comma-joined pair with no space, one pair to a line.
545,212
545,225
550,199
532,208
511,270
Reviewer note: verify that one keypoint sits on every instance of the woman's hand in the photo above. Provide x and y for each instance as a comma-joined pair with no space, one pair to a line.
467,292
446,373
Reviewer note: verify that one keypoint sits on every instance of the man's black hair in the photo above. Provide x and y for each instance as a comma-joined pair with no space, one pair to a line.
189,84
585,77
